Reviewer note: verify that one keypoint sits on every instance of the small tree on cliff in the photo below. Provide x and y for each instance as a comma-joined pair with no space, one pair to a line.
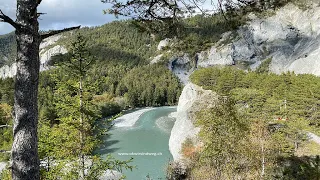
24,152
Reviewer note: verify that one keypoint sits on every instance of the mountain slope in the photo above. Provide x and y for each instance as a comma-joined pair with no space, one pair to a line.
118,42
289,36
7,49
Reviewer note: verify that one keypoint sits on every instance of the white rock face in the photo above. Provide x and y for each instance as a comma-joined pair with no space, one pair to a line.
2,166
163,43
191,97
215,56
111,174
45,56
180,66
49,41
313,137
156,59
8,71
291,37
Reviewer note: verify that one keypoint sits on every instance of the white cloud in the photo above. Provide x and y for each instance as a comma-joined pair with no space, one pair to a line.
62,13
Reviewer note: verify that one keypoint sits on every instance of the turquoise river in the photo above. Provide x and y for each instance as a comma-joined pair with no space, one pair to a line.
146,141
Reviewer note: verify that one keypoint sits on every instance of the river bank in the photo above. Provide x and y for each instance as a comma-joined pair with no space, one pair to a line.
129,119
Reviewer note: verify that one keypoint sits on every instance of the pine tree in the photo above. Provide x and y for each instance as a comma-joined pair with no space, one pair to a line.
74,102
69,142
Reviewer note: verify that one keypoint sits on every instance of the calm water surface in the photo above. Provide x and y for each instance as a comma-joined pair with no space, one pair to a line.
147,142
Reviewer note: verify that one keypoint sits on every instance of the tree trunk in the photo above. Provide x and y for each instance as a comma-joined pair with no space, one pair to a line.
24,153
81,127
25,160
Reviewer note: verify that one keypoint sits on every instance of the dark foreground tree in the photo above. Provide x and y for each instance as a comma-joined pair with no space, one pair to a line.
165,17
25,160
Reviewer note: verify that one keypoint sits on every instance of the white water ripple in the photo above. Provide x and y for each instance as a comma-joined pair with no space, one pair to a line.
128,120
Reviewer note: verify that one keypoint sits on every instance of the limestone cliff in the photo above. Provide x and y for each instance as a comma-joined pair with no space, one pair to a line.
290,36
192,100
47,50
2,166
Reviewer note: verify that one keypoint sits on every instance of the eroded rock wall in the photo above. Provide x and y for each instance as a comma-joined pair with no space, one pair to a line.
46,52
193,99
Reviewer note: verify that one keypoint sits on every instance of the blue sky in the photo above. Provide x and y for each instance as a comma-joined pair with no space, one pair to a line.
62,13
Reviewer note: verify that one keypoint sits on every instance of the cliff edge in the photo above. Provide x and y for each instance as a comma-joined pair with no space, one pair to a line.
192,100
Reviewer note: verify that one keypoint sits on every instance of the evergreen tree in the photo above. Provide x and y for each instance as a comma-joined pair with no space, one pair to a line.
25,160
223,133
69,142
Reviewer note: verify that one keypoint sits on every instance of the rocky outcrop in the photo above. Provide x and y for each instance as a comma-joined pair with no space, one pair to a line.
290,37
216,56
45,55
181,67
163,43
192,100
8,71
313,137
2,166
49,41
156,59
111,174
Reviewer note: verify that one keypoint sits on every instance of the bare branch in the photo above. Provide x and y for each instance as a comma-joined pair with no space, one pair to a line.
7,19
34,9
54,32
5,151
1,126
39,2
199,8
39,14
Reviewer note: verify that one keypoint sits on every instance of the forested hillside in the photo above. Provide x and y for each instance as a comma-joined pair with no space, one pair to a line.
274,96
119,78
258,130
264,117
117,42
7,49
